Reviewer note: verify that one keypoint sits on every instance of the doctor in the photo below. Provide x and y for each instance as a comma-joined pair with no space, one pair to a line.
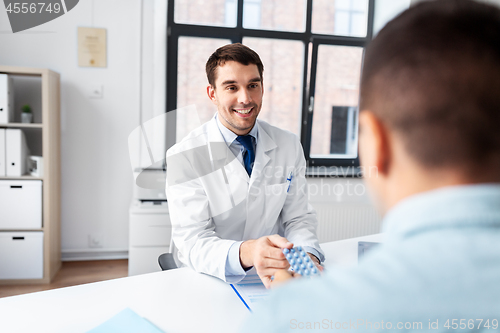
236,186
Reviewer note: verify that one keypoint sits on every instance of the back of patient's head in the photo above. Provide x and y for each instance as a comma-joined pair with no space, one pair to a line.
432,76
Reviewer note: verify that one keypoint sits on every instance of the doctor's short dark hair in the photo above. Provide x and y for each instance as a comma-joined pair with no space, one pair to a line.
432,75
232,52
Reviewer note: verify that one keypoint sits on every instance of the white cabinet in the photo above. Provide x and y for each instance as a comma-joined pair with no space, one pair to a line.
150,232
142,260
20,204
25,255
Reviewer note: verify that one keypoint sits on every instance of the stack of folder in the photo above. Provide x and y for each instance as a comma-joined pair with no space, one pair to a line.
13,149
14,153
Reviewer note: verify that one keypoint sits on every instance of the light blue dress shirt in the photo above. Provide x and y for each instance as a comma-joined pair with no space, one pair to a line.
234,271
439,265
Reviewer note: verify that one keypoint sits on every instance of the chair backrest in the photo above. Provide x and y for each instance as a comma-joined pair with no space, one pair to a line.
166,261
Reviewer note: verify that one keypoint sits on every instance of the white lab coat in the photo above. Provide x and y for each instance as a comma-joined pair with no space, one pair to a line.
213,202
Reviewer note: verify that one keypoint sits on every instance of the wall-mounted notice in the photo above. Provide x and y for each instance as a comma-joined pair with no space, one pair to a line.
91,47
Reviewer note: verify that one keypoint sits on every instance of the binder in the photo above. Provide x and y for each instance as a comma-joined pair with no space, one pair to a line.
2,153
17,152
6,99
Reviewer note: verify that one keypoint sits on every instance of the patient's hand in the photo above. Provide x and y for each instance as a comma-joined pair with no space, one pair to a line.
316,262
281,276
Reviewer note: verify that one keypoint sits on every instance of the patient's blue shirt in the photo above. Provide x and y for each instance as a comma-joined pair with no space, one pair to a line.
439,265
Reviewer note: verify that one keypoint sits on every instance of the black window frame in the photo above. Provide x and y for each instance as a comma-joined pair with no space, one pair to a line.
236,34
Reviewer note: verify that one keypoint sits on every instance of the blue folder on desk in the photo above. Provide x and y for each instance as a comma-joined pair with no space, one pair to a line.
127,321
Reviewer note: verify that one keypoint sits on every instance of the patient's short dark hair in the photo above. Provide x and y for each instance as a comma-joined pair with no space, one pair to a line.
432,75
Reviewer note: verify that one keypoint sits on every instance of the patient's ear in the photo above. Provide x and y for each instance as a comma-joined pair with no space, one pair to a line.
374,145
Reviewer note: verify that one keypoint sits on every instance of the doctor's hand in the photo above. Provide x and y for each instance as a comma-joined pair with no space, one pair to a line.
265,254
281,276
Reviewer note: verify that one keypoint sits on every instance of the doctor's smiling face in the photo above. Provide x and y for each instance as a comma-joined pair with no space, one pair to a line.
238,95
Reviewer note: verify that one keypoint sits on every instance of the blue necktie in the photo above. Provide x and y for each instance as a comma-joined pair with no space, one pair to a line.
249,153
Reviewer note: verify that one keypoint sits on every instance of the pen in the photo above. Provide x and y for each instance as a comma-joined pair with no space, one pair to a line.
289,180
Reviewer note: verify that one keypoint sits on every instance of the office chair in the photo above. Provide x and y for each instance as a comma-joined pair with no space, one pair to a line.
166,260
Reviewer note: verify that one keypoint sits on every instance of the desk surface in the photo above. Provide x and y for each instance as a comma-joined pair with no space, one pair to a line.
179,300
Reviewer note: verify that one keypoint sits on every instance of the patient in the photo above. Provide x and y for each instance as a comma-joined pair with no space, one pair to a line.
430,124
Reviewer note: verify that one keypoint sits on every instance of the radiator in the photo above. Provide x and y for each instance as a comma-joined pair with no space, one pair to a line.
338,221
343,208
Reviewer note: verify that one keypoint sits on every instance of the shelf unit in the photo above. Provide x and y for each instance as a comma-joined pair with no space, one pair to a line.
20,125
49,129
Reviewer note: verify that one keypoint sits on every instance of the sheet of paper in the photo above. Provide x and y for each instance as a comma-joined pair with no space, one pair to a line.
92,47
127,321
250,290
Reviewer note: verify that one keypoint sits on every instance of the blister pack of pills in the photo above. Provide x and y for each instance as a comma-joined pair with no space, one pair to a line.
300,262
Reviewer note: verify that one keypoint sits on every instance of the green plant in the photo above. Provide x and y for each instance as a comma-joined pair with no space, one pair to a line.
26,108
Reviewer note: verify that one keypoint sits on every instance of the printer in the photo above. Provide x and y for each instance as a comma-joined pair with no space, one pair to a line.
150,229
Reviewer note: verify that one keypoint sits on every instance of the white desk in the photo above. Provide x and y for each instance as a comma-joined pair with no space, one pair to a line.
179,300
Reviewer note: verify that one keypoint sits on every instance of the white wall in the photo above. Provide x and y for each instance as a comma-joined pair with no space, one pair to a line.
96,172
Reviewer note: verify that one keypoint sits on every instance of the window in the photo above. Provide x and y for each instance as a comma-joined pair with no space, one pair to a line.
340,17
282,102
335,101
192,82
312,52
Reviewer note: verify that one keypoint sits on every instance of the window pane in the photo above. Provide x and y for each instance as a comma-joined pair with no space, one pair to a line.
340,17
215,12
289,15
386,10
342,4
334,128
192,82
283,69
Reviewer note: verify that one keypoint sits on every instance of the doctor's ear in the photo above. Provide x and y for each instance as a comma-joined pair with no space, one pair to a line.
211,94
